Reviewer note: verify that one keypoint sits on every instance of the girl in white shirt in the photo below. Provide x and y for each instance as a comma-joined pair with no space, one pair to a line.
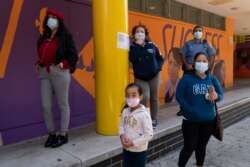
135,128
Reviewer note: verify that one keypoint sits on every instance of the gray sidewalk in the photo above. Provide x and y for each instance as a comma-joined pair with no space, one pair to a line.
233,151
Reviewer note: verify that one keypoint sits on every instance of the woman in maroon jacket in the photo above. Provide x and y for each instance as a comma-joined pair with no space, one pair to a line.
57,59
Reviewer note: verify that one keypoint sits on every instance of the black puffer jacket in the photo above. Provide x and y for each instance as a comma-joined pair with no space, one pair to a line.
67,51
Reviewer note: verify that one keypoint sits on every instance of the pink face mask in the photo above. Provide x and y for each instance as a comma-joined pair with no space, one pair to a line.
132,102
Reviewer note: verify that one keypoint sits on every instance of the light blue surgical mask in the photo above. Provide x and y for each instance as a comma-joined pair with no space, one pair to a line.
52,23
201,67
198,35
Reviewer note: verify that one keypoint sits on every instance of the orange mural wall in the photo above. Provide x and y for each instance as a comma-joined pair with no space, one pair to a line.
168,33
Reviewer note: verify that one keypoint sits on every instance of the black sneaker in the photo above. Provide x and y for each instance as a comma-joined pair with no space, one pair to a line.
180,113
154,123
52,139
60,141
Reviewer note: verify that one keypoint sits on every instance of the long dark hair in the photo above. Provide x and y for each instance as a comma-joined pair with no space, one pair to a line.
139,89
47,32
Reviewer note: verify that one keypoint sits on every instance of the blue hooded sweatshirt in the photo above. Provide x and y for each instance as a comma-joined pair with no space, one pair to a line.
190,94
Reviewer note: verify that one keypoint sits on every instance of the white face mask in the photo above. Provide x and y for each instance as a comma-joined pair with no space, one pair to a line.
132,102
198,35
201,67
52,23
140,36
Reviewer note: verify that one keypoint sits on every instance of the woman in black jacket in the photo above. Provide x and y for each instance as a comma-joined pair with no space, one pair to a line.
58,57
147,63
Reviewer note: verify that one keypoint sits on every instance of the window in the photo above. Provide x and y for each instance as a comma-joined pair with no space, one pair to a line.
136,5
177,11
193,15
219,22
207,19
155,7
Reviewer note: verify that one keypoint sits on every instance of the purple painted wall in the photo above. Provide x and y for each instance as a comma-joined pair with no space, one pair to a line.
20,109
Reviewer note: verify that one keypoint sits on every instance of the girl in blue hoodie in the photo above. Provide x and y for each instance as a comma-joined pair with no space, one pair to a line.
198,109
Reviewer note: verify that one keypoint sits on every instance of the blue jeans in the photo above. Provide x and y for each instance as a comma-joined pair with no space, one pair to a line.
134,159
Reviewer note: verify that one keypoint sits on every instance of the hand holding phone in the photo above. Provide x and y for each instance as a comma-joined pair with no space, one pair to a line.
212,95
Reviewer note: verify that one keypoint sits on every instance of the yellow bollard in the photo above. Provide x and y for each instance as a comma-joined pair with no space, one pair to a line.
111,44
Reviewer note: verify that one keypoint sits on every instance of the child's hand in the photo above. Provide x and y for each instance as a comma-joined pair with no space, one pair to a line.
128,143
123,139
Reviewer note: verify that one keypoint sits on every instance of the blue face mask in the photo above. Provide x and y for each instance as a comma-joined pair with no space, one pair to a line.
201,67
52,23
198,35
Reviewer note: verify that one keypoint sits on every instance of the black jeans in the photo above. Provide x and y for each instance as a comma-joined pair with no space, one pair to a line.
196,136
134,159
